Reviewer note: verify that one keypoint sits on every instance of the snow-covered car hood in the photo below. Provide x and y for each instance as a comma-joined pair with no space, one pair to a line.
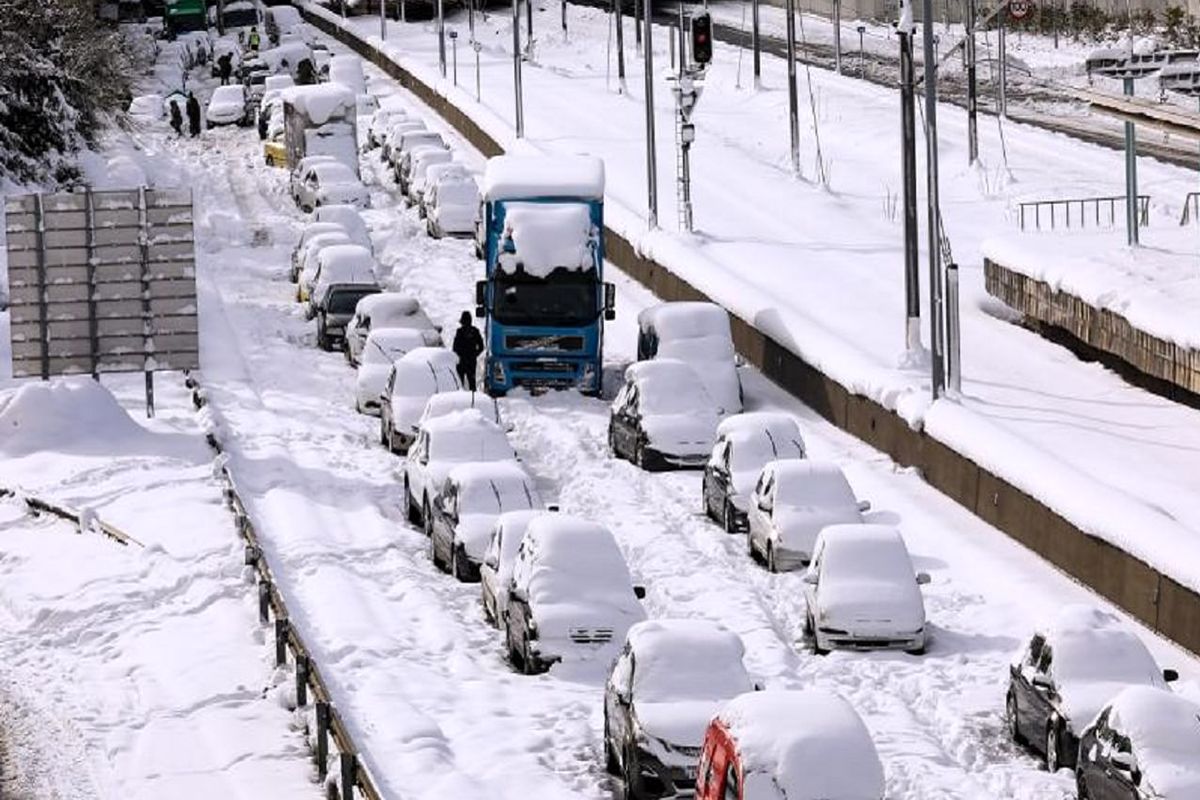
475,533
352,193
866,606
798,527
556,620
681,435
1171,781
459,219
226,110
679,724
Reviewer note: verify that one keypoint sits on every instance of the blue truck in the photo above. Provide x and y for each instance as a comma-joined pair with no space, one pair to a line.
544,299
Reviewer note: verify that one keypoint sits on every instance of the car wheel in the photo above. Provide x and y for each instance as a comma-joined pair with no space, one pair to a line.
459,565
639,454
323,336
410,508
427,518
728,518
628,772
437,561
811,631
611,764
383,439
1052,755
750,548
1081,787
612,443
1014,724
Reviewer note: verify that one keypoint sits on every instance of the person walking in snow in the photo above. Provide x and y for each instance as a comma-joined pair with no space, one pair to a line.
193,114
468,344
225,68
254,38
176,119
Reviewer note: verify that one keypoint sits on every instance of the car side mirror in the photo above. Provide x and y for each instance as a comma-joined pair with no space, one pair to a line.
864,506
923,578
764,505
759,686
310,312
480,294
810,578
424,459
1170,675
639,592
1125,762
552,507
1043,682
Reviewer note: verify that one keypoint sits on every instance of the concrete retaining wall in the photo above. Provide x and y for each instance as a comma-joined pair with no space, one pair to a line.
1157,600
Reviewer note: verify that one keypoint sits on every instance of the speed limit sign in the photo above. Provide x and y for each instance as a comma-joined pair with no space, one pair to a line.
1020,9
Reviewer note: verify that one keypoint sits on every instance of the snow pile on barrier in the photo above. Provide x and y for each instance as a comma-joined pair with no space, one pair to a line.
72,415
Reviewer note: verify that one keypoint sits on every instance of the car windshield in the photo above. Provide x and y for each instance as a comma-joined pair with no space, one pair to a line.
343,301
228,94
495,497
750,455
664,396
456,192
330,173
386,350
872,560
566,298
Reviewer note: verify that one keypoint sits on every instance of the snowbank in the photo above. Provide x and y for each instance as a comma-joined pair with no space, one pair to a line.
548,236
69,415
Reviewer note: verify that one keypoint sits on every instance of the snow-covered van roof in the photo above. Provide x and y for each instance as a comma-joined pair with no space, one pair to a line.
687,659
546,237
803,745
322,102
528,177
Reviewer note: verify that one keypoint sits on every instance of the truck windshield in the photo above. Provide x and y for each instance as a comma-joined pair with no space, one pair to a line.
564,298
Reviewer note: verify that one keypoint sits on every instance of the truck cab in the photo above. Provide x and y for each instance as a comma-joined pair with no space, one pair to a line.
544,299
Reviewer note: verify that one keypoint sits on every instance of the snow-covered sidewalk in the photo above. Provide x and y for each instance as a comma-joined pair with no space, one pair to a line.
821,271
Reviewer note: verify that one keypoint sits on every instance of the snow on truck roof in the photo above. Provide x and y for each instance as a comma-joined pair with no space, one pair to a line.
548,236
321,102
528,177
810,744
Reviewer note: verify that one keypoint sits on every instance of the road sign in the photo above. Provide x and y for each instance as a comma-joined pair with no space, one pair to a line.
102,282
1020,9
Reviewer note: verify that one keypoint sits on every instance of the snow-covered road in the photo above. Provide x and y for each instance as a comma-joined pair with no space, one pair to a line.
415,671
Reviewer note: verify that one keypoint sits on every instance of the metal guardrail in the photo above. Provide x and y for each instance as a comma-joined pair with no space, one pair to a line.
1192,199
37,505
352,771
1060,211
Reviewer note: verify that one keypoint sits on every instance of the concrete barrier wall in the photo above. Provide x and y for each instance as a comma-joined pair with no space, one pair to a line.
1156,600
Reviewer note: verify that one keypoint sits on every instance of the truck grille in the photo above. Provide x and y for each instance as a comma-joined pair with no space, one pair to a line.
526,341
591,635
543,366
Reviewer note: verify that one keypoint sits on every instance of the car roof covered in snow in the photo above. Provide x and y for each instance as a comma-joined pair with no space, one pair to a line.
406,339
576,561
1091,645
1164,729
467,436
810,482
347,258
447,402
345,215
548,236
665,370
446,171
321,102
811,744
685,320
483,471
229,94
687,659
752,424
278,82
388,304
528,177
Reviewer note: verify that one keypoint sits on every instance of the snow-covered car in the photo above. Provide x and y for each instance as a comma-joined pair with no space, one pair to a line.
699,334
348,71
663,418
387,310
1144,745
392,135
328,183
671,679
420,160
349,218
339,263
789,745
1068,670
401,150
335,305
271,108
792,501
383,348
745,443
381,120
451,202
435,173
315,236
414,378
863,593
275,153
147,108
465,508
448,402
570,596
463,437
280,20
296,179
508,531
229,105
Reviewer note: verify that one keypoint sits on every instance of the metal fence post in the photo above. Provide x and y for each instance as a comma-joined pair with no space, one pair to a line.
93,323
953,346
301,680
520,112
322,739
281,638
147,314
43,298
793,98
264,601
349,764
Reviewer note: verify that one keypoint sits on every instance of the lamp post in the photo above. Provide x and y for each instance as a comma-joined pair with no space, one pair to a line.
516,32
454,43
651,160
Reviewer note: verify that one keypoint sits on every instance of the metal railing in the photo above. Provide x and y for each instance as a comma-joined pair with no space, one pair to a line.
83,521
1079,210
1192,199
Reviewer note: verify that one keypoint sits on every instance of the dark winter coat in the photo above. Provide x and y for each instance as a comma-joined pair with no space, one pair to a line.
305,74
193,114
468,344
176,117
225,65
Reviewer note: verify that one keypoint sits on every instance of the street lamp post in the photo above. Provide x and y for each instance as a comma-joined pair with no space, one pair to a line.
454,43
651,160
516,32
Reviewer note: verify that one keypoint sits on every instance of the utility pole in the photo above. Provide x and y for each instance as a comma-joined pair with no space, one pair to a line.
516,28
908,158
651,159
441,29
837,36
972,92
529,28
383,18
620,19
637,23
755,42
1131,190
936,338
793,98
1003,62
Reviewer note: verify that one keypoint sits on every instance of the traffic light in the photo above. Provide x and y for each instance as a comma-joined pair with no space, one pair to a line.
702,39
